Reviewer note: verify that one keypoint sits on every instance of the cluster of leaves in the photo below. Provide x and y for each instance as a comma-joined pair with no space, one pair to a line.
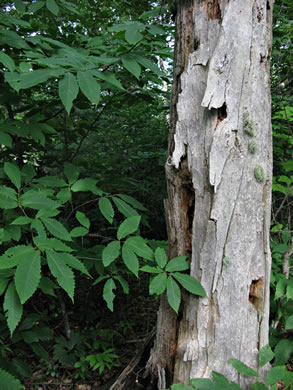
275,375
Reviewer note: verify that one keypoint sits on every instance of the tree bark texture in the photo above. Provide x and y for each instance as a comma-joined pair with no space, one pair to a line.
219,171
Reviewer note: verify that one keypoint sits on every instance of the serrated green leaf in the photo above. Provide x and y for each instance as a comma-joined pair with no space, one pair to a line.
61,272
131,65
110,253
160,257
3,285
5,139
173,294
204,384
13,256
130,225
108,77
45,213
138,245
21,221
243,368
151,270
40,229
73,262
34,7
132,201
123,282
89,86
150,65
47,286
265,355
20,6
108,294
83,219
51,243
124,208
56,228
33,78
37,201
132,33
106,209
7,61
178,264
9,382
79,231
71,172
85,185
52,7
27,276
283,351
130,259
68,90
13,172
280,288
158,284
276,374
8,198
52,181
12,307
190,284
289,323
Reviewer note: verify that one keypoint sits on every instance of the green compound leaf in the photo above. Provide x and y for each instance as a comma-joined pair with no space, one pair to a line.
132,34
130,225
158,284
108,294
160,257
8,198
124,208
190,284
130,259
278,373
82,219
73,262
52,181
79,231
52,7
61,271
7,61
37,200
265,355
13,256
9,382
87,184
283,351
151,270
132,201
131,65
110,253
27,276
21,221
12,308
56,228
173,294
13,173
31,79
124,283
106,209
71,172
138,245
68,90
178,264
89,86
243,368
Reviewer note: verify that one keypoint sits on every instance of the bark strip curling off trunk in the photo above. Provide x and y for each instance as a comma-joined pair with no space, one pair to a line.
219,190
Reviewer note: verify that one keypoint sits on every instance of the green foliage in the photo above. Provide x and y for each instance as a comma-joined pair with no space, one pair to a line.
219,382
9,382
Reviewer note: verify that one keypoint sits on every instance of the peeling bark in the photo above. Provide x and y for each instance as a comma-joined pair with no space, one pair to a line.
219,179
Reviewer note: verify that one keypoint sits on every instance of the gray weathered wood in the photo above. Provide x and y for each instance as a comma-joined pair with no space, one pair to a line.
219,173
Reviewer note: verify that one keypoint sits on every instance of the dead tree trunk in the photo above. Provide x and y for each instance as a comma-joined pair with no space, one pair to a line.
219,189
